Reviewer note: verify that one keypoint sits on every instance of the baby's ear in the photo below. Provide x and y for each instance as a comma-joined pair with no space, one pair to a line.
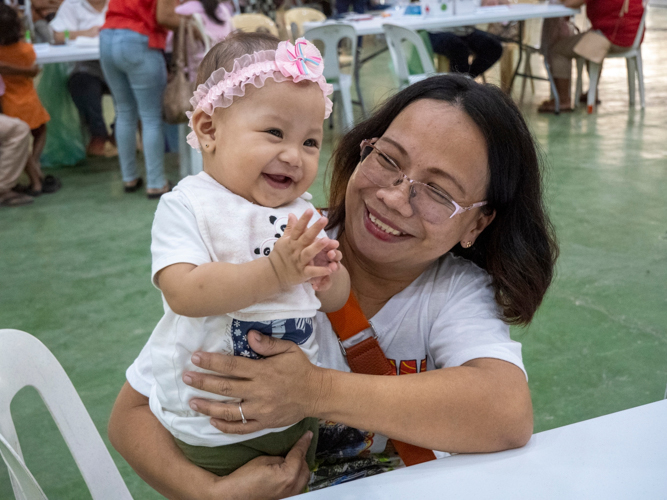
204,128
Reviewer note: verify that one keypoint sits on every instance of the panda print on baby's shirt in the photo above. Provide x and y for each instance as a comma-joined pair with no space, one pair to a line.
279,224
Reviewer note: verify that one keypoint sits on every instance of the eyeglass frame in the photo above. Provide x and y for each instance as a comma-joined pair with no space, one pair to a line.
459,209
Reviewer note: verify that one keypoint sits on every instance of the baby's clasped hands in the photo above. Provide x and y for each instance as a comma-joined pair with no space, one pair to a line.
299,255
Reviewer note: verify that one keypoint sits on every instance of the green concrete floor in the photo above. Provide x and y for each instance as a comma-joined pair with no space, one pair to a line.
75,266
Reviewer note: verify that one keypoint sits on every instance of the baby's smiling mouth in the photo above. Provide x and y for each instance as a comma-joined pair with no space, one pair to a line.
278,181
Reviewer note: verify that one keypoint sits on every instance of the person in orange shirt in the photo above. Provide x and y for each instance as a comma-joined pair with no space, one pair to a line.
20,99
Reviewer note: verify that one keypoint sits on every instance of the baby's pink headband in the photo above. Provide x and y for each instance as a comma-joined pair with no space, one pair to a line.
298,62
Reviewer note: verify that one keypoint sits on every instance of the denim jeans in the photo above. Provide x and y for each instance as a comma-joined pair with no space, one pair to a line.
137,76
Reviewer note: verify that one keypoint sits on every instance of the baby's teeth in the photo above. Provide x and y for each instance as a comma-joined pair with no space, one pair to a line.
383,226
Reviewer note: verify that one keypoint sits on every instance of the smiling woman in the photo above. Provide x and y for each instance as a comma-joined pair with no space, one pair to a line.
441,226
471,141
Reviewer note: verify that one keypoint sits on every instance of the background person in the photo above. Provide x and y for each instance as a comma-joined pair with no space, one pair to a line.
86,83
20,98
439,288
460,44
132,42
558,41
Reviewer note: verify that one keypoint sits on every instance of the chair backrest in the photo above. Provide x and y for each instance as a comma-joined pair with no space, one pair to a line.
396,35
254,22
294,19
24,483
25,361
640,30
331,35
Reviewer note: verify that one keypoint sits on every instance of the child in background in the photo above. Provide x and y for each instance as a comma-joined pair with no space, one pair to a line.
232,247
20,99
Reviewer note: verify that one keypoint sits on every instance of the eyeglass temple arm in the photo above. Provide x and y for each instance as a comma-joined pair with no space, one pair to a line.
460,209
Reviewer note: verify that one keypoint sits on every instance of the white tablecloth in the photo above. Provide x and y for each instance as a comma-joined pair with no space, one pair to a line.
65,53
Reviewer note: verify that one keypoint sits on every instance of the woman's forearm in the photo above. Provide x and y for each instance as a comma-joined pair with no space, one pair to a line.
483,406
150,450
165,14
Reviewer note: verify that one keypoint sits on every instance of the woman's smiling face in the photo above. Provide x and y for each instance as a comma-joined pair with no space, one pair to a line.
435,143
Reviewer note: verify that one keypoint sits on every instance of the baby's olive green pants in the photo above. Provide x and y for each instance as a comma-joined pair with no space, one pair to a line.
223,460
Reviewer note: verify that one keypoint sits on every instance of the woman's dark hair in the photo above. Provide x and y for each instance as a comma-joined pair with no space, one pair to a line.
210,7
237,44
10,25
518,249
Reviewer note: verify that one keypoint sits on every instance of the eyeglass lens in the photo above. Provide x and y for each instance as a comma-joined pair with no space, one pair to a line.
382,171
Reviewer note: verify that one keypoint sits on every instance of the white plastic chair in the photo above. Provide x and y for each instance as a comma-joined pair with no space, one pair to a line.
25,361
294,19
331,35
396,35
633,61
24,483
255,22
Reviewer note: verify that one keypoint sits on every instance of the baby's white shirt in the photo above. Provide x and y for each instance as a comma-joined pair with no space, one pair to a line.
199,222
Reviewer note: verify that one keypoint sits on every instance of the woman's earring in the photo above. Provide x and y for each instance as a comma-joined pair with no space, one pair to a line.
206,146
468,244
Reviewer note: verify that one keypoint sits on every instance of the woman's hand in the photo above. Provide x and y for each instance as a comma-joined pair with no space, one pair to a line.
265,478
279,390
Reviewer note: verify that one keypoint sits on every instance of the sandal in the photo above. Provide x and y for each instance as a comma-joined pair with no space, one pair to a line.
138,183
14,199
156,196
50,184
550,107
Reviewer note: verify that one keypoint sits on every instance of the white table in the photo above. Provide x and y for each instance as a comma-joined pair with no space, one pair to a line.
47,53
483,15
618,456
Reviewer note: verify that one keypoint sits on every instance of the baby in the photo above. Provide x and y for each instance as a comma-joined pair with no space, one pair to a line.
238,247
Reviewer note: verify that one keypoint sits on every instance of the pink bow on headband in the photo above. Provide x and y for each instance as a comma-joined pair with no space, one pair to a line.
301,61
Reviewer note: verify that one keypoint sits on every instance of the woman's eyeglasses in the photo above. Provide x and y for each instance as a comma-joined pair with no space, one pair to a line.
432,204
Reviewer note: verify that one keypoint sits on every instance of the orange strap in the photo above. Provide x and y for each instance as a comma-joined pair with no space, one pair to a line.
367,357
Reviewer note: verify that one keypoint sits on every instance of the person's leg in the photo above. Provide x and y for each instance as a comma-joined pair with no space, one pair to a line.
14,153
124,104
560,57
86,91
223,460
454,48
486,48
34,166
14,150
147,75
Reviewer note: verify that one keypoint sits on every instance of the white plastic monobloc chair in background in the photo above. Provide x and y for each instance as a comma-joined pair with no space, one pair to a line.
25,361
633,60
294,19
396,35
331,35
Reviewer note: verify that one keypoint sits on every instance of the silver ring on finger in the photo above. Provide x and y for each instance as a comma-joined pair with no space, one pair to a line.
241,412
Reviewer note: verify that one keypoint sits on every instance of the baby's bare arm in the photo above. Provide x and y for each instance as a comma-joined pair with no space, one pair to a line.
217,287
335,297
